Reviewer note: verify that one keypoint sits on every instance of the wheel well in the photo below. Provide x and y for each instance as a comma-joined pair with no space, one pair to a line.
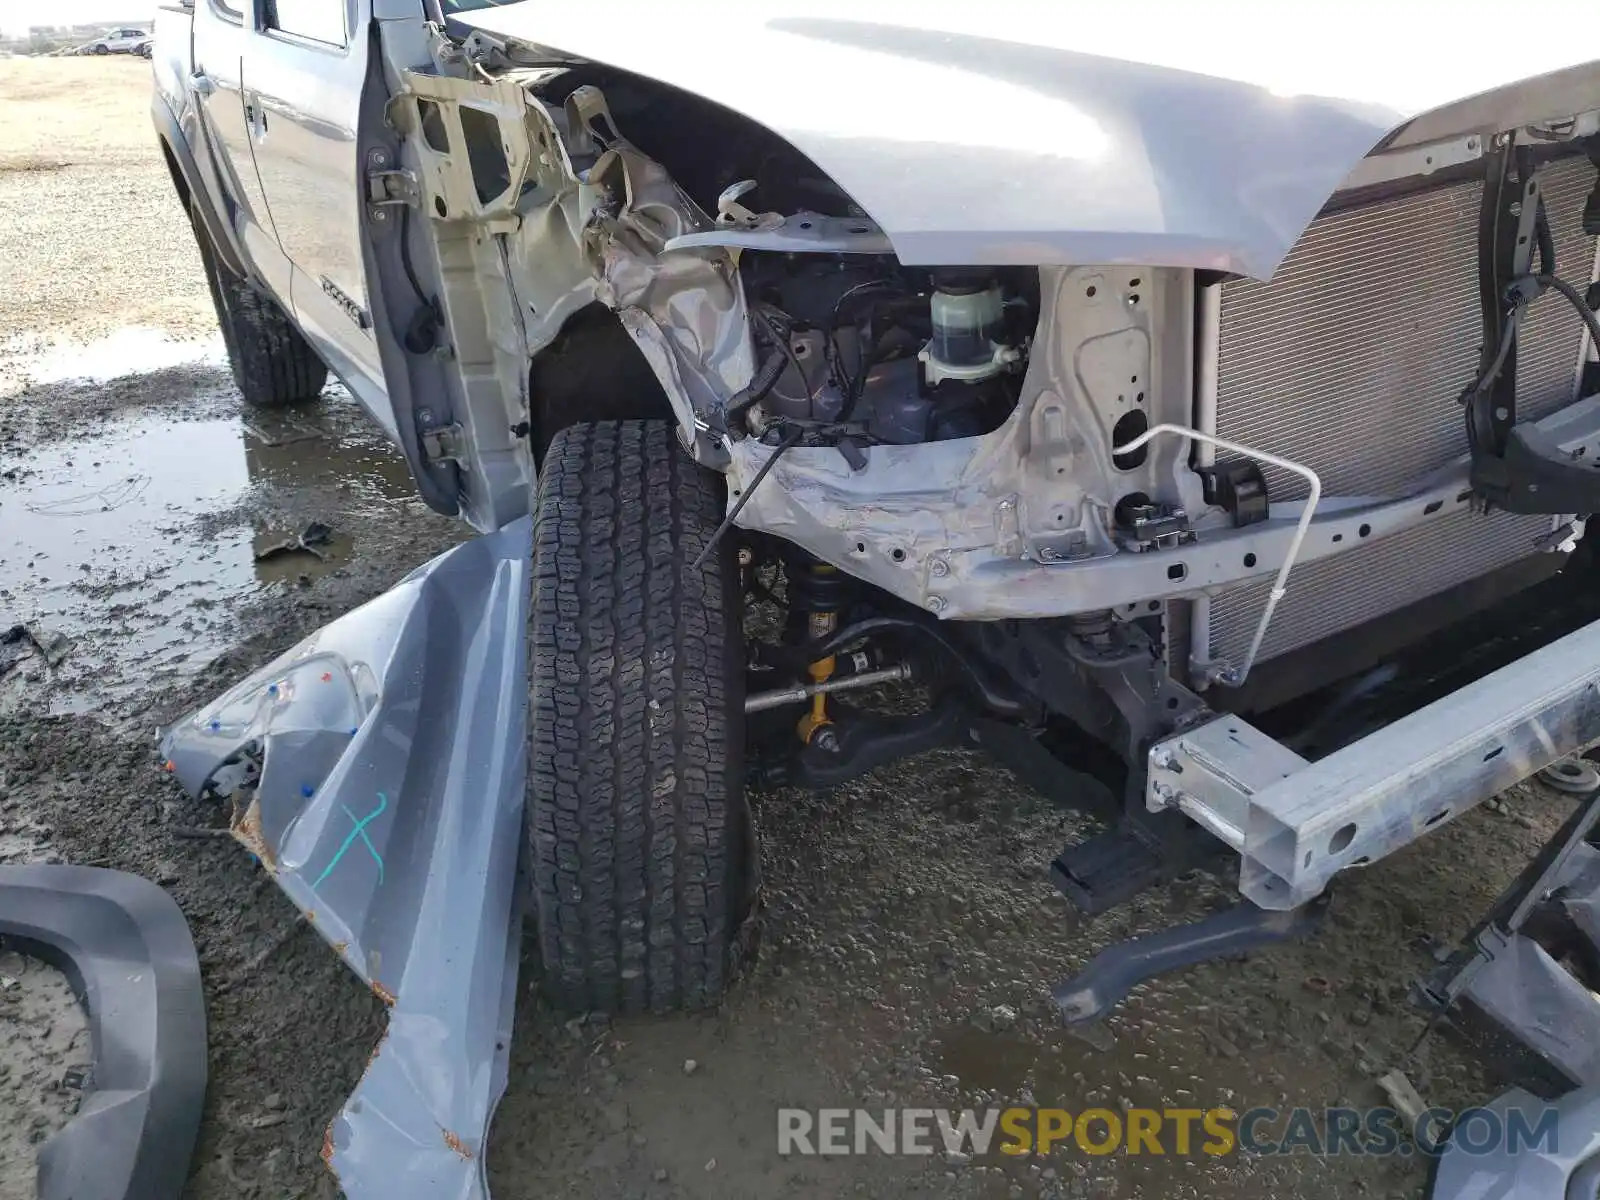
593,371
725,146
178,181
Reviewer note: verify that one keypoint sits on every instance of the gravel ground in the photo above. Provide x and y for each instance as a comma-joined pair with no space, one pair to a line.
910,932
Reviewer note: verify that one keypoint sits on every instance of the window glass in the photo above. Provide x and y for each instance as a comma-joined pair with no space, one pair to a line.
319,20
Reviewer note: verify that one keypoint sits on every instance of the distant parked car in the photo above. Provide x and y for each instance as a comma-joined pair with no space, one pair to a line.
120,41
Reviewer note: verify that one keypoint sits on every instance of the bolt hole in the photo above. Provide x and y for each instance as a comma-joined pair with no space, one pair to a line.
1338,537
1172,702
1249,560
1308,858
1364,530
1177,571
1133,300
1493,754
1139,399
1436,818
805,224
861,547
1342,837
439,206
1133,379
1154,606
1133,282
897,554
1128,427
1091,291
1429,509
1360,862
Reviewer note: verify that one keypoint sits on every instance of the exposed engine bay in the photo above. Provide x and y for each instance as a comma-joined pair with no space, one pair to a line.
1021,483
851,358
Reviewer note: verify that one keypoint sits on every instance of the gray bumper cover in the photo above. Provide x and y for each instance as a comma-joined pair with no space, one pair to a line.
126,950
391,756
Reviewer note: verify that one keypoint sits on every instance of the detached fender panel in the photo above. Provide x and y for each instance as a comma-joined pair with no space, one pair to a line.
377,771
125,948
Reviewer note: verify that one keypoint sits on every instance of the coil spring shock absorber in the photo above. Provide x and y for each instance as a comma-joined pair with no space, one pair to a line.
817,594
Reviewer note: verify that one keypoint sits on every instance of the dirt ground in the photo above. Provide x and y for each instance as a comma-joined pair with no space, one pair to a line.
910,930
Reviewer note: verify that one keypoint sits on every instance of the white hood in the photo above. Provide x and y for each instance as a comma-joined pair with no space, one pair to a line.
1032,131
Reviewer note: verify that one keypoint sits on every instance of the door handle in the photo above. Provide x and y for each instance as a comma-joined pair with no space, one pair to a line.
202,83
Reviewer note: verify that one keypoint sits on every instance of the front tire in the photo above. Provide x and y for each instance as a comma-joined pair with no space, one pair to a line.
640,837
273,365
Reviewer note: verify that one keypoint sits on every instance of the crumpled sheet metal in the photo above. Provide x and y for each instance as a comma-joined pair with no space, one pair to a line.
389,808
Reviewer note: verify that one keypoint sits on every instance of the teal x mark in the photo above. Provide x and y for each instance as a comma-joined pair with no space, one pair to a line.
360,831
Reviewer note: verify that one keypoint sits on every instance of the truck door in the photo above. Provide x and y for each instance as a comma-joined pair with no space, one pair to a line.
222,29
305,72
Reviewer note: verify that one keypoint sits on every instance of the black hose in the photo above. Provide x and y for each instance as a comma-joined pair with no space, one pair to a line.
763,381
1575,298
1546,241
1509,336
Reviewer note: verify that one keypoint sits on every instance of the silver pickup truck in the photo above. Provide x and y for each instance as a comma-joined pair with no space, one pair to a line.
1200,404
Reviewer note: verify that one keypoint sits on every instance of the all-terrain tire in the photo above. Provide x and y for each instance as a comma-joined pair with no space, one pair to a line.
641,843
273,365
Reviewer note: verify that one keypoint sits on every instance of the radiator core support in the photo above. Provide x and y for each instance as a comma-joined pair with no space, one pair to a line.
1296,824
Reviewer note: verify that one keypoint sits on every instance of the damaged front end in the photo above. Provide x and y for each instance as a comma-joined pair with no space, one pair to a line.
1064,493
376,771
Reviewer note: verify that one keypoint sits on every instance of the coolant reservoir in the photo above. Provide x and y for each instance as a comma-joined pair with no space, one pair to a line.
967,324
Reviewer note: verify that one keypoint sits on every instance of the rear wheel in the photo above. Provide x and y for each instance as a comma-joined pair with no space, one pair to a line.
273,364
641,842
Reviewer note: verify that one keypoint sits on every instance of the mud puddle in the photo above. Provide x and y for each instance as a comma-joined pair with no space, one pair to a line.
30,359
127,543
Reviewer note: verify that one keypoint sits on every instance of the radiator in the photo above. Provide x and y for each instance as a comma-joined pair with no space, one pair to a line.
1352,360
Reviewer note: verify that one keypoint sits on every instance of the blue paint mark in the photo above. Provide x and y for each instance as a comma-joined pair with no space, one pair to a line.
215,725
307,790
360,831
272,689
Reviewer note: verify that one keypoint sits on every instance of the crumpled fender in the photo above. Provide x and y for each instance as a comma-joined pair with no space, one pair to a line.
377,771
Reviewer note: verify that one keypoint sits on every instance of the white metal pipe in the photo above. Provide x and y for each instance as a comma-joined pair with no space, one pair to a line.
1235,676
